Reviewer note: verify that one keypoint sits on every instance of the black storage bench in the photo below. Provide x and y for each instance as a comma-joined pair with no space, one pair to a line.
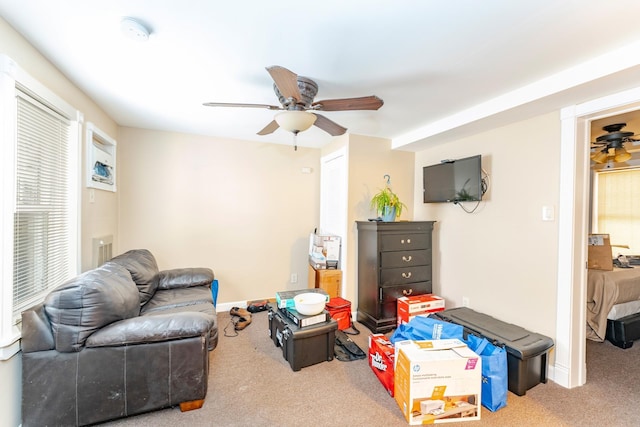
624,331
527,352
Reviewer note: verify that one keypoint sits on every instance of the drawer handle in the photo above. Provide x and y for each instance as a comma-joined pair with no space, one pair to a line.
407,258
406,293
406,275
408,241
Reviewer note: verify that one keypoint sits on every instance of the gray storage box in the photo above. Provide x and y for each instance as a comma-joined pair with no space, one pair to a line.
527,351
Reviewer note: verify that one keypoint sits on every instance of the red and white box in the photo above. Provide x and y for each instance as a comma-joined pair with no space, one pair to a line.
412,306
381,360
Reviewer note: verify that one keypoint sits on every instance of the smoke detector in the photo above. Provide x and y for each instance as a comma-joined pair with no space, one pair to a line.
134,29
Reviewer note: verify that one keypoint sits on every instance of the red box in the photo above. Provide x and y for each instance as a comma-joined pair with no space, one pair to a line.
340,310
381,359
412,306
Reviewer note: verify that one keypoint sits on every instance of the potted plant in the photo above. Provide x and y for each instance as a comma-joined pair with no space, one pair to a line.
386,203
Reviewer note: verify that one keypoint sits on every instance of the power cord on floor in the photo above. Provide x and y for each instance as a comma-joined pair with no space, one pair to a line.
232,322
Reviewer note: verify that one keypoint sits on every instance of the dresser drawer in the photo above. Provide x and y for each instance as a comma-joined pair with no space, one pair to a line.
405,258
389,296
404,241
403,275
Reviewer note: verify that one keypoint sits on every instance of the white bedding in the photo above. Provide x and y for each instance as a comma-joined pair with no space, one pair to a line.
619,311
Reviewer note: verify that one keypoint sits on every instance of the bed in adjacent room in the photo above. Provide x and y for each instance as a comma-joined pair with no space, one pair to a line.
613,305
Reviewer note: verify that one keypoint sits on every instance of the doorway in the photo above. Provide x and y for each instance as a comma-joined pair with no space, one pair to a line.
570,362
333,201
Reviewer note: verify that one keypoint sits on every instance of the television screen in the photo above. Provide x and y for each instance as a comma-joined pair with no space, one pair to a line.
453,181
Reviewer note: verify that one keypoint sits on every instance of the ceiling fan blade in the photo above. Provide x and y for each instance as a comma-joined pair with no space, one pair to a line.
286,81
234,104
363,103
270,128
329,126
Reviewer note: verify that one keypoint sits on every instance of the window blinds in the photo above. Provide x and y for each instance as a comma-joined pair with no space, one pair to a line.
618,208
42,216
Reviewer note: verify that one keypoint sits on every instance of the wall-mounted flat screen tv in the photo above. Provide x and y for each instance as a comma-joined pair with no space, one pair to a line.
453,181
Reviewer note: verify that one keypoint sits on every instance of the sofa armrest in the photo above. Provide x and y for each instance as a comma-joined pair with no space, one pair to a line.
147,329
184,278
36,330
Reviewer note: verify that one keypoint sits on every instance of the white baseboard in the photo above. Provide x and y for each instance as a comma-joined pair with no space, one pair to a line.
229,305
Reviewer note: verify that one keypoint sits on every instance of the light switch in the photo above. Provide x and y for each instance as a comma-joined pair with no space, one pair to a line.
92,195
548,213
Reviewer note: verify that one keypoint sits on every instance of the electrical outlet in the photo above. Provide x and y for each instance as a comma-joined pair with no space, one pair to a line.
294,278
465,301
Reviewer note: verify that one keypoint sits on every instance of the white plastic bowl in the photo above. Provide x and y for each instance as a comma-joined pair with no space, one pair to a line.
309,303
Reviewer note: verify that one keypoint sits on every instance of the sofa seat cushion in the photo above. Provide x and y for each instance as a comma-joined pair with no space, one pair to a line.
86,303
204,308
143,268
185,278
148,329
170,298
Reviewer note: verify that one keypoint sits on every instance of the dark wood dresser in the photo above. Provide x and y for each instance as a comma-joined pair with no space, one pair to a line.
394,260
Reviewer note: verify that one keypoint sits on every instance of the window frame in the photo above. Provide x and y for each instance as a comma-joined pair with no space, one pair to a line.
12,78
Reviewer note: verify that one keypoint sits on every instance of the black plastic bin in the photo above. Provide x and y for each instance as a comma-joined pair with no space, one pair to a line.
624,331
527,352
304,346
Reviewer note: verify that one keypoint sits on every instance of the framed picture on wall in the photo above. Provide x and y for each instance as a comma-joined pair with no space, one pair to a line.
101,159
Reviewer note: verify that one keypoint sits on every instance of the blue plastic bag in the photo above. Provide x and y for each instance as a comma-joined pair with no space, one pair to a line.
426,328
494,372
214,292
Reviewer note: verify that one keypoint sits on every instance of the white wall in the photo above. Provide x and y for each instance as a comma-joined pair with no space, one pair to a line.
503,257
244,209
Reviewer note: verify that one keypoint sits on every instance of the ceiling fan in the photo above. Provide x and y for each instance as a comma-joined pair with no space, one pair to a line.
296,94
611,144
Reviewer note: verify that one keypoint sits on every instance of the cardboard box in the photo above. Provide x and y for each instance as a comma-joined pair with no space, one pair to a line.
329,243
412,306
437,381
381,360
329,280
599,252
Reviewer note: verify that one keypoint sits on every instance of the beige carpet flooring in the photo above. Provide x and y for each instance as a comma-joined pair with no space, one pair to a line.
250,384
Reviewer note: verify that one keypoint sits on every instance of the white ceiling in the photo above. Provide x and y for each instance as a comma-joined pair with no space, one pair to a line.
443,68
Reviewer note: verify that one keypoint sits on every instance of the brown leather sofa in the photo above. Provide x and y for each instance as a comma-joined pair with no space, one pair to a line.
119,340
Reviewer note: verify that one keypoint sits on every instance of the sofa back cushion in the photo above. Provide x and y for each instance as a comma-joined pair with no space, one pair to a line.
144,270
86,303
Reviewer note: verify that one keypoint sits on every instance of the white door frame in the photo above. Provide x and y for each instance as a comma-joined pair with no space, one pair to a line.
334,196
570,348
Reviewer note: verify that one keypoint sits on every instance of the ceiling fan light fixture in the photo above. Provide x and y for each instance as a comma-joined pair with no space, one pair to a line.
621,155
295,121
600,156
